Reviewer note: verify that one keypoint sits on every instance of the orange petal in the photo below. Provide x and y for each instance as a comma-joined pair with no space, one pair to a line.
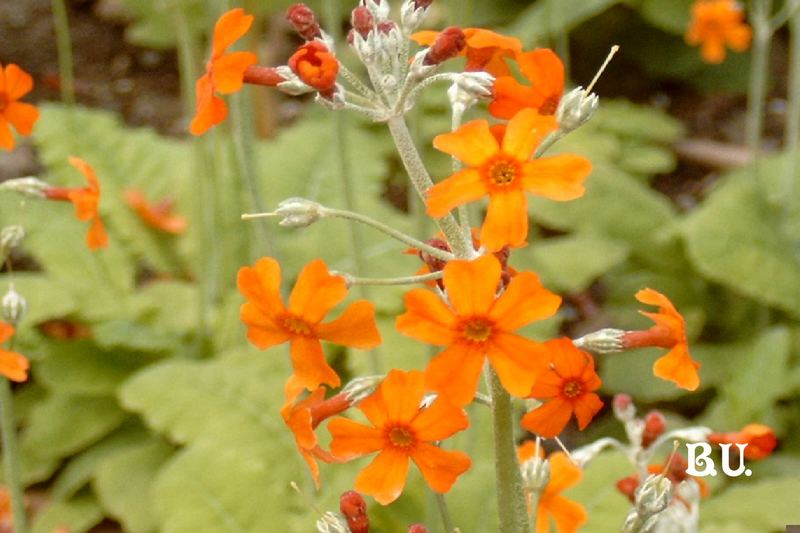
510,97
454,373
262,330
471,285
679,367
6,332
482,38
525,300
97,237
260,284
385,477
569,515
585,408
18,82
351,439
313,467
227,73
439,467
310,367
472,144
439,421
558,177
316,292
6,137
518,362
401,393
211,110
14,366
506,222
427,318
653,297
424,38
524,133
230,27
355,328
544,70
22,116
548,420
462,187
563,473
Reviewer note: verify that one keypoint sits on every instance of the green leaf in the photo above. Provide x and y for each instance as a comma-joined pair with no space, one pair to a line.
669,15
760,507
570,264
734,239
599,496
545,19
133,336
46,298
637,122
123,484
78,515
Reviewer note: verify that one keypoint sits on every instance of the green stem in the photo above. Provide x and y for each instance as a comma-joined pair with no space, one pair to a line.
11,460
511,505
422,182
404,280
444,512
757,88
64,47
792,135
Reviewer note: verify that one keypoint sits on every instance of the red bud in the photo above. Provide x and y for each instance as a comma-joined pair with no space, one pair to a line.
362,20
422,4
417,528
354,509
303,20
654,426
450,42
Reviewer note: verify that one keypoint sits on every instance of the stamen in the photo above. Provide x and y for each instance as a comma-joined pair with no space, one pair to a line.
609,57
502,172
401,437
478,330
296,325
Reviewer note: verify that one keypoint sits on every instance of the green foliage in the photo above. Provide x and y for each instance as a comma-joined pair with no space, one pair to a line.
78,514
764,506
546,19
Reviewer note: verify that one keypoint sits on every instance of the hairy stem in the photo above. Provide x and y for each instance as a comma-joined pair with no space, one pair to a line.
444,513
404,280
759,70
791,143
66,73
11,460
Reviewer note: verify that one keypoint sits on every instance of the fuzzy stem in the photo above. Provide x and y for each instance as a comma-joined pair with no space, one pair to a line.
511,505
791,143
11,459
64,47
444,513
404,280
757,88
422,182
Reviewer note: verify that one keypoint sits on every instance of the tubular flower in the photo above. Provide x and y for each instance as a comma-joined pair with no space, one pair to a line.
401,431
224,70
568,388
477,324
316,66
86,201
14,84
485,50
316,292
669,332
760,440
158,216
13,365
303,416
545,72
716,23
568,515
505,172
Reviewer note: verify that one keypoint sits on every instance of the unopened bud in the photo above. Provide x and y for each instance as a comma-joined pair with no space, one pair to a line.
303,20
10,238
654,426
362,21
575,109
412,13
293,86
468,88
653,495
535,473
29,186
379,9
450,42
14,306
623,407
417,528
359,388
332,523
298,212
354,508
603,341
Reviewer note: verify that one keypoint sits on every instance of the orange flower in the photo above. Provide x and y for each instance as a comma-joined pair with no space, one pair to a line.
669,332
760,440
716,23
504,171
13,365
316,66
568,387
545,71
224,71
86,201
401,430
316,292
568,515
302,417
14,84
485,50
158,216
478,324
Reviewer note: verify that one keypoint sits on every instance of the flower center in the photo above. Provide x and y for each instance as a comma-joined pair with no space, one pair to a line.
549,106
502,172
296,325
401,437
477,330
572,388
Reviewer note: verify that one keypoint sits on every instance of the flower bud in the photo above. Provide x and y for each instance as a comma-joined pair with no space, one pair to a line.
379,9
316,66
653,495
412,13
266,76
10,238
450,42
303,20
14,306
535,474
29,186
354,509
627,486
359,388
603,341
654,426
623,407
293,86
417,528
298,212
362,21
575,109
332,523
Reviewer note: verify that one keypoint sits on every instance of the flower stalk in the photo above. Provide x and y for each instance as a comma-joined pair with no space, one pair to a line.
66,71
759,73
11,458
